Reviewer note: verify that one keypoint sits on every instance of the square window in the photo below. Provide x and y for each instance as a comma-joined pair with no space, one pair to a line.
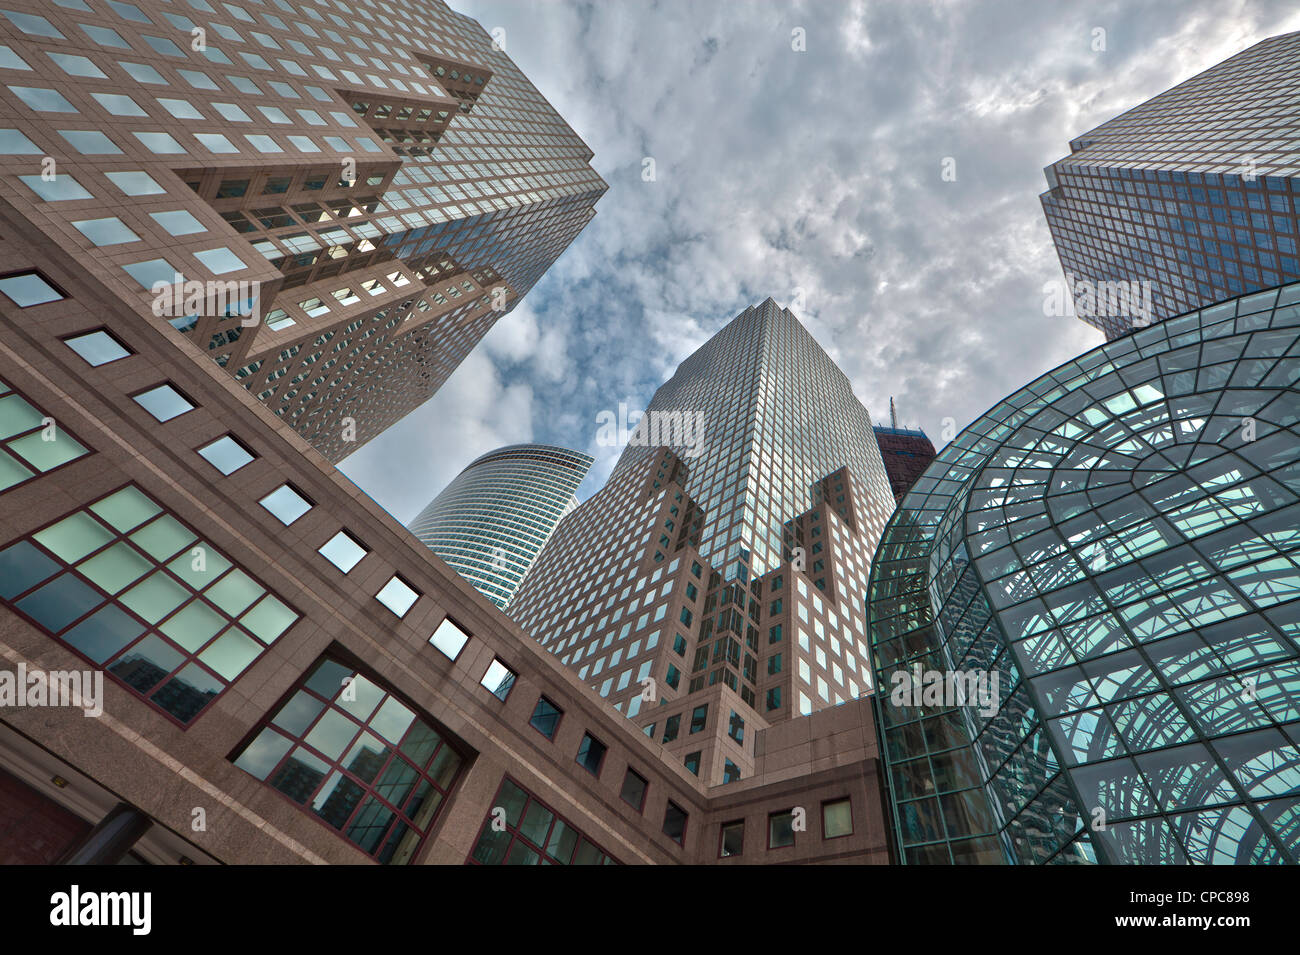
142,73
10,60
675,822
226,454
32,24
104,36
449,639
135,183
43,100
216,143
118,104
97,348
499,679
161,144
107,231
232,113
732,841
14,143
398,596
62,187
154,272
77,65
546,717
90,142
28,289
591,754
286,504
780,829
343,551
219,261
178,222
164,402
837,819
634,789
180,108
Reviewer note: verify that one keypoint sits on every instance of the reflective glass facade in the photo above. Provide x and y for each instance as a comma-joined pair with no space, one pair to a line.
1192,193
492,520
779,416
722,569
1119,543
379,178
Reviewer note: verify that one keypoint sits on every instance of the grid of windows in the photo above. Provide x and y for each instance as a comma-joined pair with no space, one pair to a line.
356,757
135,591
1192,193
31,444
1118,543
522,830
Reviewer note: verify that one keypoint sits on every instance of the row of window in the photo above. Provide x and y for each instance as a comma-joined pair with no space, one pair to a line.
499,679
784,826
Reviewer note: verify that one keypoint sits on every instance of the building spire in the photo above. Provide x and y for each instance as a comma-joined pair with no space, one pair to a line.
893,415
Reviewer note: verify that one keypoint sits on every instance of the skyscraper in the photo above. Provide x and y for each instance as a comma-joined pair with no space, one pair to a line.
492,520
1187,199
334,202
275,650
717,581
906,453
1109,564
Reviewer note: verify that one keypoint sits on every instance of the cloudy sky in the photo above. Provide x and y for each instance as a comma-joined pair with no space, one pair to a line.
820,170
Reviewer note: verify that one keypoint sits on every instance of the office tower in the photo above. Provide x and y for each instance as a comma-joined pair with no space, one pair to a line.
288,674
907,452
715,585
491,521
333,201
1185,200
1117,544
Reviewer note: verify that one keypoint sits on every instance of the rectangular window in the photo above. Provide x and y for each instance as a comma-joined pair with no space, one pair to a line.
732,839
533,833
348,751
671,727
97,348
343,551
546,717
837,819
634,789
226,454
498,680
736,727
591,754
699,716
449,639
164,402
780,829
132,589
693,762
675,822
398,596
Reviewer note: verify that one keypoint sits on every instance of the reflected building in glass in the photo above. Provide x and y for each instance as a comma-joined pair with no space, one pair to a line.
1118,544
491,522
1186,199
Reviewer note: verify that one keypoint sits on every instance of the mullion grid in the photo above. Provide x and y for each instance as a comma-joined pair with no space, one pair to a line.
148,630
